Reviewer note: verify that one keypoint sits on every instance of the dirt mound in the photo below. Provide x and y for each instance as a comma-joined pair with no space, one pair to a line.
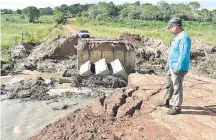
151,54
47,65
47,57
130,114
55,47
203,58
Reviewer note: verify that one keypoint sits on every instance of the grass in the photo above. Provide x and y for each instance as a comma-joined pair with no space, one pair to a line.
155,29
5,58
16,29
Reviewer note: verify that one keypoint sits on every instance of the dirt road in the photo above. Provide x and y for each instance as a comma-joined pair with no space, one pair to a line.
132,115
68,26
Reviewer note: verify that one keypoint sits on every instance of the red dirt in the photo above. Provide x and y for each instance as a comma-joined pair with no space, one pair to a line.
133,116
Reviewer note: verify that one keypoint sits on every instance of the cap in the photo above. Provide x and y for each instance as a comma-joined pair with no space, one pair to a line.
176,21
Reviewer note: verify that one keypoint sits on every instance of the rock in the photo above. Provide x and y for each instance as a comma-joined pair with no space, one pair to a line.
213,50
128,92
129,107
19,52
108,81
112,103
61,107
7,67
30,66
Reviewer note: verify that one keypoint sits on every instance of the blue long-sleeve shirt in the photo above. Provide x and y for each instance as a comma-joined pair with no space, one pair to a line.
179,54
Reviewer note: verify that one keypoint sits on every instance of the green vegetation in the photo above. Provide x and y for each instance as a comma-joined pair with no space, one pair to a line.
32,13
106,19
16,29
110,20
204,31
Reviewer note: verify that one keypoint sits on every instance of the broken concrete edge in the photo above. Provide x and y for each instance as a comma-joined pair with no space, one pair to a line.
63,79
116,44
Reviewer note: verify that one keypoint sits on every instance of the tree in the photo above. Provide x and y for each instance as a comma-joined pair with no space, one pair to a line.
164,11
6,11
103,10
84,14
183,11
32,13
64,8
19,11
137,3
46,11
149,12
59,15
205,15
194,5
213,13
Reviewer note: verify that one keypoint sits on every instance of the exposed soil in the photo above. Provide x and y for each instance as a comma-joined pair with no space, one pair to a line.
130,114
152,55
56,55
55,47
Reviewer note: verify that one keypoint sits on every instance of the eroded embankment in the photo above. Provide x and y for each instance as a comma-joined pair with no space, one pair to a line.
130,114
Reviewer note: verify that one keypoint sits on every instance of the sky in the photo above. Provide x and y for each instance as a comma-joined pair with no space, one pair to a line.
20,4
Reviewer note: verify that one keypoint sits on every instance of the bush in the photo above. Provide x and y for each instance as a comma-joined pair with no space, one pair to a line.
59,18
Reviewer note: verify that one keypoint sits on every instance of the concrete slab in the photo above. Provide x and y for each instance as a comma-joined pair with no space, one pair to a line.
118,69
63,79
85,69
101,68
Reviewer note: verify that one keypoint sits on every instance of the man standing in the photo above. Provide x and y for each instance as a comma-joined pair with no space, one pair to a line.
178,65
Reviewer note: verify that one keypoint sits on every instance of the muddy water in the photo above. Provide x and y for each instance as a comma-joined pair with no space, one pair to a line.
21,120
12,79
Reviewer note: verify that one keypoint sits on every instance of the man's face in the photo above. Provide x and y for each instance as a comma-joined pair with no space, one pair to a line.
172,29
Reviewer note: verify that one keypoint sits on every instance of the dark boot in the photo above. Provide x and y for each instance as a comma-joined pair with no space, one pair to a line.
163,103
174,111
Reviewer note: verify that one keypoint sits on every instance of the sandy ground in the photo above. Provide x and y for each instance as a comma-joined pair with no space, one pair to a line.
133,115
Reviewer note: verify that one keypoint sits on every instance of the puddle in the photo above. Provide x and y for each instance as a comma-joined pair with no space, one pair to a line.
23,120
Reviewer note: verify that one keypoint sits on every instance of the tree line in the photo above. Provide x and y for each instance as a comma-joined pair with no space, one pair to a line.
162,11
